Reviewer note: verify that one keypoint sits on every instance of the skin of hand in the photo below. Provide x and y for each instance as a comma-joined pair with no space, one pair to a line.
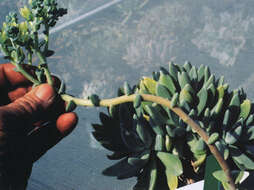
31,122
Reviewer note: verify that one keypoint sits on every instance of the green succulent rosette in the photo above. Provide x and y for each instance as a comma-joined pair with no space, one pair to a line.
157,147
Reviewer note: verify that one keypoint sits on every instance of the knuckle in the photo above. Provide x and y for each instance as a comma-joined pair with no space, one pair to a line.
28,104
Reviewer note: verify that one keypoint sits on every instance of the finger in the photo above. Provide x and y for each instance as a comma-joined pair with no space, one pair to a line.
10,78
7,83
14,85
14,79
29,109
19,91
44,138
66,123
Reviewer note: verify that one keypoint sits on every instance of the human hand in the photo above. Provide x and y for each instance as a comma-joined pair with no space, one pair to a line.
31,122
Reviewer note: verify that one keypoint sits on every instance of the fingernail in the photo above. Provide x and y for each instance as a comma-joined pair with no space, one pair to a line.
45,92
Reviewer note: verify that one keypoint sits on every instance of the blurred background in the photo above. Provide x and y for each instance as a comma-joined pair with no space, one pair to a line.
100,44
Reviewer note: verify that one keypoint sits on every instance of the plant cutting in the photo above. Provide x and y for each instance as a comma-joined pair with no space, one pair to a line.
163,128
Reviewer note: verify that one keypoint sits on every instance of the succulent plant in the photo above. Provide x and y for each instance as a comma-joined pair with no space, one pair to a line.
157,147
162,147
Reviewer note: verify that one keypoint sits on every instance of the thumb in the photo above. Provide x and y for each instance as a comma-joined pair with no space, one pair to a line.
32,107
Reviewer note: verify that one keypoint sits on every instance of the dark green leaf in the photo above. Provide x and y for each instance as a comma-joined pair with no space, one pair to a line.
162,91
156,76
159,143
156,115
233,135
132,140
117,155
148,177
70,106
226,119
139,159
210,183
127,88
144,134
167,81
49,53
164,71
199,147
201,72
250,120
234,106
183,79
242,158
137,101
174,100
173,70
187,66
250,133
193,73
170,131
207,73
156,128
95,99
209,81
220,81
220,175
203,98
222,147
122,170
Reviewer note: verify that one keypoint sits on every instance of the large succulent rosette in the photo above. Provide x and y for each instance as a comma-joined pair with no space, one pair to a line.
156,146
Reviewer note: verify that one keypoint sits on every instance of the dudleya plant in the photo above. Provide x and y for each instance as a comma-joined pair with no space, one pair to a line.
164,127
159,147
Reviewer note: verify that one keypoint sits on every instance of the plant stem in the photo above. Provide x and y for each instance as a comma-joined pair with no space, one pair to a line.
46,37
29,58
178,111
42,58
26,74
43,64
48,76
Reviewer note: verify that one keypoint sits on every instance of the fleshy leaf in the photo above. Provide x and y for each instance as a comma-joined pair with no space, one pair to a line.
203,97
171,162
167,81
172,180
220,175
150,84
242,158
245,109
162,91
213,138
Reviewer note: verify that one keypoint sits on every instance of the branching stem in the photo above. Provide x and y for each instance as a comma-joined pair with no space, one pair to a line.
177,110
26,74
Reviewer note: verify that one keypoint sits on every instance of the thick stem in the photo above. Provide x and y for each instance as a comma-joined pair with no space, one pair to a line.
178,111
